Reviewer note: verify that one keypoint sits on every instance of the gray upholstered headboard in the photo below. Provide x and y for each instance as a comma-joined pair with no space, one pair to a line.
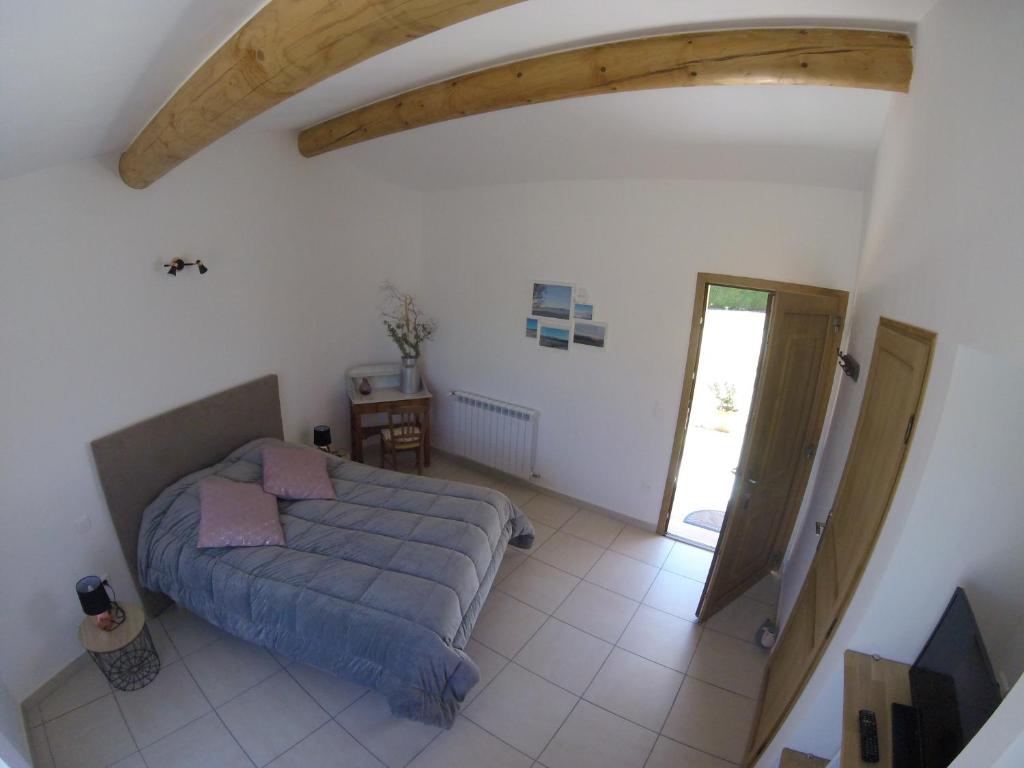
136,463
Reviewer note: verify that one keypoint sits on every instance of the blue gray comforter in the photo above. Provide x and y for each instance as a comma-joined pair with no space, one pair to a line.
382,585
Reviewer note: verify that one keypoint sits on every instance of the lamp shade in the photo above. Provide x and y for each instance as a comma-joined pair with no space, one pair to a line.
93,595
322,435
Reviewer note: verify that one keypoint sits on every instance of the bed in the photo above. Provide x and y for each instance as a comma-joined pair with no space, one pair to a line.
381,585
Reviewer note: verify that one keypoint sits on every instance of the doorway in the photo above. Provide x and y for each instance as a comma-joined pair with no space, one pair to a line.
732,339
773,384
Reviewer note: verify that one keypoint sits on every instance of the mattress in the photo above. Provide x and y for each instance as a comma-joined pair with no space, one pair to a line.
381,585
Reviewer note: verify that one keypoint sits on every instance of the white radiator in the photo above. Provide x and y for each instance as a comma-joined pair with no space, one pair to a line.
492,432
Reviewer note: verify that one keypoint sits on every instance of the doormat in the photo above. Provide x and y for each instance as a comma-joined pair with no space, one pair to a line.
708,519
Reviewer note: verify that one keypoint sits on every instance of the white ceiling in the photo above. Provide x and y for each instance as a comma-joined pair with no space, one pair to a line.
79,79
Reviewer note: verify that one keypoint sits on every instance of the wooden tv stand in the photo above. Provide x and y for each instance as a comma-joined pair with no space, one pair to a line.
870,682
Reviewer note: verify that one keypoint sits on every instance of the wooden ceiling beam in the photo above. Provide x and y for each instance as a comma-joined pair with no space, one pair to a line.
808,56
285,48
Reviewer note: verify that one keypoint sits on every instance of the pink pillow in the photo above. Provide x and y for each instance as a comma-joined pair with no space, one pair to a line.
236,515
296,473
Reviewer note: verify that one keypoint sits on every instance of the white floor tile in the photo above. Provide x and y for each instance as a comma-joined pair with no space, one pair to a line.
671,754
91,736
518,493
594,527
564,655
489,663
165,705
765,591
85,684
271,718
661,637
689,561
505,624
541,533
132,761
639,544
164,647
568,553
741,618
229,666
711,719
331,692
540,585
593,738
327,747
521,709
596,610
511,560
204,743
635,688
674,594
549,510
469,745
189,633
729,663
391,739
622,574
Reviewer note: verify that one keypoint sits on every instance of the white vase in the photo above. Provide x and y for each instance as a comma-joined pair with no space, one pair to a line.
410,375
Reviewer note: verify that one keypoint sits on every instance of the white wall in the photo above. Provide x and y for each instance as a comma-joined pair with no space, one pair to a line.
942,250
14,750
93,336
608,416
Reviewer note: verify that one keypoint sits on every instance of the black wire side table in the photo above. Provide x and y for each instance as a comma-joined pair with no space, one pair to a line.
126,655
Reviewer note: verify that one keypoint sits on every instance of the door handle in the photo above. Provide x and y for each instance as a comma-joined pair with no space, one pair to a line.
752,481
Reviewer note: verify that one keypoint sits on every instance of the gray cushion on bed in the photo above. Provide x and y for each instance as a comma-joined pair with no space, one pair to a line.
382,585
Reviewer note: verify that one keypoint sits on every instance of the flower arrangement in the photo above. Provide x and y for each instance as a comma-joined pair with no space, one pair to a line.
404,321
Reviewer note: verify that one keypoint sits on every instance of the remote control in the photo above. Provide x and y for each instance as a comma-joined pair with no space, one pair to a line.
868,736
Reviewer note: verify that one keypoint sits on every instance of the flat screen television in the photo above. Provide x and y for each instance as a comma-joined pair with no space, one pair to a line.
952,686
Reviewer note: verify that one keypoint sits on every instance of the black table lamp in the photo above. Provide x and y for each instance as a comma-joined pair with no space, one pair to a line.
322,437
92,594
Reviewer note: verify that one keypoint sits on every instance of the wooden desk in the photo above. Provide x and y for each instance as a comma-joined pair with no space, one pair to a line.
871,683
793,759
379,401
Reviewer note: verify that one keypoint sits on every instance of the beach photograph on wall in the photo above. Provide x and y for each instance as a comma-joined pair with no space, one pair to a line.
552,300
589,334
554,336
531,327
583,311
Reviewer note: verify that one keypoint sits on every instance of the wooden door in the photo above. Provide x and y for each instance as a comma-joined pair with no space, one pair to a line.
892,396
788,409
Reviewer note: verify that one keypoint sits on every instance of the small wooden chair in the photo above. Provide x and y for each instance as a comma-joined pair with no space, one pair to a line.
404,432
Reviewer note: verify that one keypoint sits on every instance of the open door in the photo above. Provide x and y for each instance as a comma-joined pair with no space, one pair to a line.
791,395
885,426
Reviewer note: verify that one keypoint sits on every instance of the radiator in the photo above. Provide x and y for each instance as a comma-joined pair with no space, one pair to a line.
492,432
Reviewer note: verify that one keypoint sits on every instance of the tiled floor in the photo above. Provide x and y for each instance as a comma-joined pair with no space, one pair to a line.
588,656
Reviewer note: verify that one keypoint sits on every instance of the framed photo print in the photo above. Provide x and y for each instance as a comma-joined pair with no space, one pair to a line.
589,334
583,311
552,300
554,336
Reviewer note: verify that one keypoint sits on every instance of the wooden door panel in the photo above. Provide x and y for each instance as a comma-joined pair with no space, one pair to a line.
825,588
892,396
796,375
782,675
876,452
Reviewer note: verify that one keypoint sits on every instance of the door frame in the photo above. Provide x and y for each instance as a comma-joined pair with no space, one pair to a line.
704,280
